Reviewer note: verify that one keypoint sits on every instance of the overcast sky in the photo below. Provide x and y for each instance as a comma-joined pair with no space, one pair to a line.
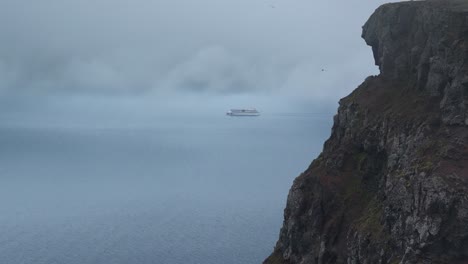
199,46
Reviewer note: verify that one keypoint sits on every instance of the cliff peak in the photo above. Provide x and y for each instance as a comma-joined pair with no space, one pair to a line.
424,43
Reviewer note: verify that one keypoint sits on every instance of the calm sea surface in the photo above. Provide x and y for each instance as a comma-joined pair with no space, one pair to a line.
203,188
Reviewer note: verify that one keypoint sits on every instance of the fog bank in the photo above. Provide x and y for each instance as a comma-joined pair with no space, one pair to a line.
295,48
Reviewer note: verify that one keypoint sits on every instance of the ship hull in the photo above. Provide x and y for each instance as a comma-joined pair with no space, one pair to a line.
242,114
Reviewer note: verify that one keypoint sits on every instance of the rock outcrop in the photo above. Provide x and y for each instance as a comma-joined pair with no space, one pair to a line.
391,185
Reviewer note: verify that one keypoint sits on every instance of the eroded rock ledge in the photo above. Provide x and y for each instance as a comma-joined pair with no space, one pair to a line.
391,185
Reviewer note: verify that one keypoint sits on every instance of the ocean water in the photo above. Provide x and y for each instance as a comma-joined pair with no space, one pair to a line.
170,188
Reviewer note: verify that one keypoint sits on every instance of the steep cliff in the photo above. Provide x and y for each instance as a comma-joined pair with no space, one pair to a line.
391,185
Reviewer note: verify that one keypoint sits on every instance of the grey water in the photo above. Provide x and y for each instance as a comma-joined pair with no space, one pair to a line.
186,187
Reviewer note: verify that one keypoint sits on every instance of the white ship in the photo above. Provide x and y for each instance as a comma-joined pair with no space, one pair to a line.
243,112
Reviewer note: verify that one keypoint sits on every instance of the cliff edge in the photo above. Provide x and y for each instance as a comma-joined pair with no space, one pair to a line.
391,185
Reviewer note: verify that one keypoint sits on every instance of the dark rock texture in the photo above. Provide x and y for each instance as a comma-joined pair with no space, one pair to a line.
391,185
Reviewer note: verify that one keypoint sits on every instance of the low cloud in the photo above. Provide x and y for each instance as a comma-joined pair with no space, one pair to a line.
213,69
207,47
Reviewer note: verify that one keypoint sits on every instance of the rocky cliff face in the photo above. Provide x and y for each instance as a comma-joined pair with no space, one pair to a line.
391,185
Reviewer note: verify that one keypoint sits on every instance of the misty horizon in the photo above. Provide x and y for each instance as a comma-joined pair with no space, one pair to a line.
115,143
